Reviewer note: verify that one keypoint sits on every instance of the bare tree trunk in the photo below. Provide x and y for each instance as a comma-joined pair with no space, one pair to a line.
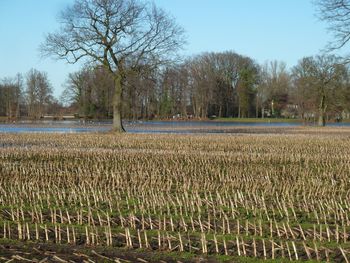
184,111
204,112
17,108
117,104
322,112
239,106
9,112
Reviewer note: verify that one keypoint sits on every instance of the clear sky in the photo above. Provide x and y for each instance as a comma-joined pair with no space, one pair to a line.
284,30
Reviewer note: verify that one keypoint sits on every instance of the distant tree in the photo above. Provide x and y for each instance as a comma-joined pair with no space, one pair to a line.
209,84
246,87
167,99
54,107
201,84
226,67
121,35
11,96
77,92
273,88
38,93
72,94
303,91
321,78
173,92
140,94
90,92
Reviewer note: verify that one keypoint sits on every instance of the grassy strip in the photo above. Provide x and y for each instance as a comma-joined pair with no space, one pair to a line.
259,120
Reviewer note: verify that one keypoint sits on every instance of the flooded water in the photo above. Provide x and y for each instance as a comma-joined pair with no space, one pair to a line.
30,129
141,126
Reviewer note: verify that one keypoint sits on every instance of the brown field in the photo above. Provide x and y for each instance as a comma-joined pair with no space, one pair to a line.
276,194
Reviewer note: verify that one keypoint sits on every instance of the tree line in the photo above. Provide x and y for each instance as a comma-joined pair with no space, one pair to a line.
28,95
223,84
209,85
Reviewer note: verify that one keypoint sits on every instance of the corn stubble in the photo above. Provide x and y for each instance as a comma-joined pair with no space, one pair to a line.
258,196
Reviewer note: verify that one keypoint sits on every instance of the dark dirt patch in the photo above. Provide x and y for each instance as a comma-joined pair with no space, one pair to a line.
37,252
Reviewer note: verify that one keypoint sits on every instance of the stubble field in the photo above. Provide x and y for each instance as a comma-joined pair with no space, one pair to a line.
251,196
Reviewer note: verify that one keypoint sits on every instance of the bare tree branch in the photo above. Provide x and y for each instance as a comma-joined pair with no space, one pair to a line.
337,14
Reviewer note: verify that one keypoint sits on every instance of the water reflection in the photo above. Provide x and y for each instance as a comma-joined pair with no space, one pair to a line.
72,126
26,129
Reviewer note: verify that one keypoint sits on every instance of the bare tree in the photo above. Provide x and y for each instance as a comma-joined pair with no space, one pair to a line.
11,96
38,93
321,77
121,35
272,92
337,14
226,66
246,86
77,91
202,83
303,89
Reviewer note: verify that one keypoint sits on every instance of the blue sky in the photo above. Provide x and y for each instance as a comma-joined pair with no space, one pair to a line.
284,30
